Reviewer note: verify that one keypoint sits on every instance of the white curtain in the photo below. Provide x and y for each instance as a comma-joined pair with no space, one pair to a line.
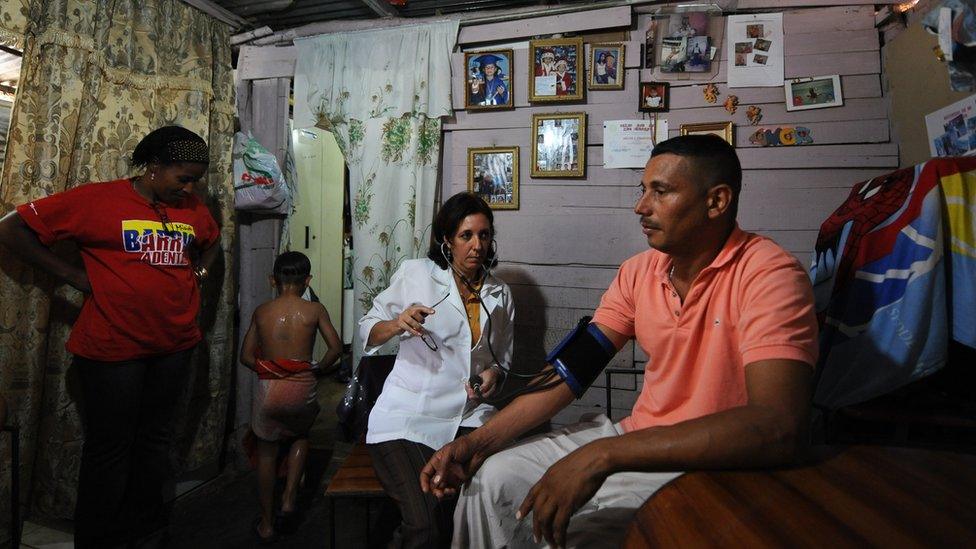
381,93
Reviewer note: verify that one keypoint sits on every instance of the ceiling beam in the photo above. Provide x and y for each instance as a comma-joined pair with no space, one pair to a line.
219,13
381,8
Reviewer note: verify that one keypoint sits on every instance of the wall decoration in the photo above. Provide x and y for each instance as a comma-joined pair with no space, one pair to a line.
755,47
628,143
606,66
781,136
952,129
488,84
559,144
686,54
493,174
721,129
649,51
813,93
654,96
731,102
710,92
688,24
754,114
556,69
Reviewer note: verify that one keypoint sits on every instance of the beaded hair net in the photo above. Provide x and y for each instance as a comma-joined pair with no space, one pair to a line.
188,151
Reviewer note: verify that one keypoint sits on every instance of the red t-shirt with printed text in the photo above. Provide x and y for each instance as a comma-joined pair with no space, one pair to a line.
144,298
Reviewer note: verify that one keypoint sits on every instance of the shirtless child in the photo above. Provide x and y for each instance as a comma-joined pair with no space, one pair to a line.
278,346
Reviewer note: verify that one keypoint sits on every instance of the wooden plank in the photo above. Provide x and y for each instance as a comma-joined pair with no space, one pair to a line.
797,66
782,4
605,238
807,178
256,62
854,109
570,276
819,20
553,296
689,94
827,42
566,22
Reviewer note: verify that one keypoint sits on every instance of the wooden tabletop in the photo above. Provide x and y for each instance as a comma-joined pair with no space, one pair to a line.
847,497
356,477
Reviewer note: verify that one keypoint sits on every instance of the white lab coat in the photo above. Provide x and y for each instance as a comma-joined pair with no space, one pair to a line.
424,399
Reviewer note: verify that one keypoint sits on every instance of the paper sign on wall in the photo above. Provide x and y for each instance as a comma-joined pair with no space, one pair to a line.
628,143
754,50
952,129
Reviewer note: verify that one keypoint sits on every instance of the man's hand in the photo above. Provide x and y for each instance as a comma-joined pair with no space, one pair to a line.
451,466
565,487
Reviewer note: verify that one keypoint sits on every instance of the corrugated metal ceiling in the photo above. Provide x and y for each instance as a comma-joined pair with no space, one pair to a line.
285,14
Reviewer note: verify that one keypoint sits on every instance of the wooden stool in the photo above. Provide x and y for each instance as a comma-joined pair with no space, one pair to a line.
354,479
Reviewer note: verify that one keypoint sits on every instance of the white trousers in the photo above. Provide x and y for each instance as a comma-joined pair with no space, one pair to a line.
485,513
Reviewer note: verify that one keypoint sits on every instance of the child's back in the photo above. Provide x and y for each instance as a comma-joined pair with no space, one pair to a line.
286,327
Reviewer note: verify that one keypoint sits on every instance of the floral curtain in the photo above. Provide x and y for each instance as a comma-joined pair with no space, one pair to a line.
97,77
382,94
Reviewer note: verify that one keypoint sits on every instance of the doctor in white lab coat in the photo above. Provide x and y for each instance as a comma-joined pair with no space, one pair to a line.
447,335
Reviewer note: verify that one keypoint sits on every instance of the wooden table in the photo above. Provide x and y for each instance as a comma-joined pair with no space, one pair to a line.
846,497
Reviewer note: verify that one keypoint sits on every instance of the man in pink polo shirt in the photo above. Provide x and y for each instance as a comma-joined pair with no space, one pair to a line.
726,318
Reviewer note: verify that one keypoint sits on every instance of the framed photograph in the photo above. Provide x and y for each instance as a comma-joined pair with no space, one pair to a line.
816,92
488,80
606,71
559,144
654,96
721,129
493,174
649,35
556,69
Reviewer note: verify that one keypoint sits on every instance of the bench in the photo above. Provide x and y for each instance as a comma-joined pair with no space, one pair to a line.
355,479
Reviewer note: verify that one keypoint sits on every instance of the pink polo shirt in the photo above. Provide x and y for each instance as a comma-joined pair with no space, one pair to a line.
754,302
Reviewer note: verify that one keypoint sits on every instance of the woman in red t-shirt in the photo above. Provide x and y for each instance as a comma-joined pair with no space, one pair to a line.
145,243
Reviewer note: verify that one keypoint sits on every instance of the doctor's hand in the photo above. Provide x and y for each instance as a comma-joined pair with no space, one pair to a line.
565,487
451,466
411,320
490,379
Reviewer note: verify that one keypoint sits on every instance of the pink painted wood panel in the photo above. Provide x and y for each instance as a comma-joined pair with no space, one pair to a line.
561,249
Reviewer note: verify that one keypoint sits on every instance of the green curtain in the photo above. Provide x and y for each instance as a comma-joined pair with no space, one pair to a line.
96,77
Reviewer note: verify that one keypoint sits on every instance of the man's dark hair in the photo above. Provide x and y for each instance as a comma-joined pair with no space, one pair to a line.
449,218
291,268
712,159
169,145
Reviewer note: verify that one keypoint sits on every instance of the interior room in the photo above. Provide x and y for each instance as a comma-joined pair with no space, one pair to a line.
467,273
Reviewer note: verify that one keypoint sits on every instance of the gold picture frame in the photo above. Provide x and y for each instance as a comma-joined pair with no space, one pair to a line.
608,75
559,144
493,175
546,82
489,80
725,130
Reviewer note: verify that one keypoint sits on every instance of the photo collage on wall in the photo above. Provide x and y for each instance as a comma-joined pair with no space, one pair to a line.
686,47
755,50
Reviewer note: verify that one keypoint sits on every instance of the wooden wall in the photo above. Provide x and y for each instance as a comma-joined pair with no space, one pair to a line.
560,250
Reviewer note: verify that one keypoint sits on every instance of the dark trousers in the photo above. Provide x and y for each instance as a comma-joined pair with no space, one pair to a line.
128,415
425,520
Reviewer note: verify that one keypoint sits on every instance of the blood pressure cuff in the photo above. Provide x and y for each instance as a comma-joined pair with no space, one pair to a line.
581,356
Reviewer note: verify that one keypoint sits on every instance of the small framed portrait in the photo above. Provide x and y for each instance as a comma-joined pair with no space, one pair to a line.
654,96
816,92
721,129
606,71
488,80
559,144
493,174
556,69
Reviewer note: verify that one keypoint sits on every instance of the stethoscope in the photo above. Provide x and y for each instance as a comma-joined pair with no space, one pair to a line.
538,381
